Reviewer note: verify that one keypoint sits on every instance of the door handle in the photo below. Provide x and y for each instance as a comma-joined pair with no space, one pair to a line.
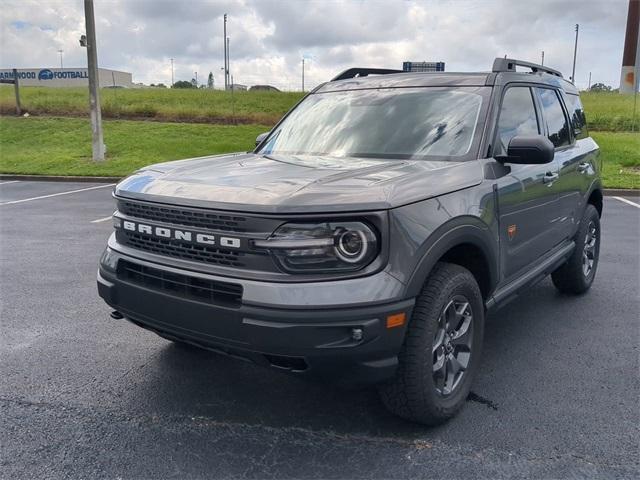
550,177
583,167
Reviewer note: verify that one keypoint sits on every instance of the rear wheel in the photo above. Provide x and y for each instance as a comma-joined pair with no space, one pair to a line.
441,351
577,275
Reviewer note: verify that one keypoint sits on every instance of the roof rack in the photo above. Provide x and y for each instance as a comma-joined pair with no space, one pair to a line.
363,72
510,64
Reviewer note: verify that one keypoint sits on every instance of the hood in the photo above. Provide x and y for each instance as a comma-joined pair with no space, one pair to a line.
297,184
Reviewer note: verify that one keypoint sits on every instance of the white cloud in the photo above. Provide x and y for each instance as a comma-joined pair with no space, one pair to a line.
269,37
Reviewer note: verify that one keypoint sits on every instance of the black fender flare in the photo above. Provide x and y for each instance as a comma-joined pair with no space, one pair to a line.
458,231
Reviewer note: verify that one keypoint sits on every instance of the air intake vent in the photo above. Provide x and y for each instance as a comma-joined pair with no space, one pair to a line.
204,290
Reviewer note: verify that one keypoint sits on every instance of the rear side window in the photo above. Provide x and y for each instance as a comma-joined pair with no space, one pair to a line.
517,117
576,112
554,117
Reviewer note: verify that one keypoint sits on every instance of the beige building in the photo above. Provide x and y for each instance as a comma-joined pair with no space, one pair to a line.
67,77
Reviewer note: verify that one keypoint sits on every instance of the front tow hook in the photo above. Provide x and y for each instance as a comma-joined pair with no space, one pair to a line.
116,315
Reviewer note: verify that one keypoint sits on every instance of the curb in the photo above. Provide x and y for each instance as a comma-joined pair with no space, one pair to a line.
610,192
621,192
56,178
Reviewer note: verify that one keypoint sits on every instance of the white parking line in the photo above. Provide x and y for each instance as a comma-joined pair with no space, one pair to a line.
10,181
627,201
100,220
56,194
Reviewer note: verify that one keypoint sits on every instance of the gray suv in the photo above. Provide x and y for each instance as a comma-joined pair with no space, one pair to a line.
371,230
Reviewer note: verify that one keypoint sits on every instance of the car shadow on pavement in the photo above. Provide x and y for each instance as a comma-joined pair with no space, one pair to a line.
182,381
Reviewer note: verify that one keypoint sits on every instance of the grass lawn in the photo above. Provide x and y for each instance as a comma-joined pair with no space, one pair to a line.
621,155
605,111
62,146
610,111
177,105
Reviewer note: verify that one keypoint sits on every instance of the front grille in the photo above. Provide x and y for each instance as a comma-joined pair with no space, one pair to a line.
209,291
183,216
186,251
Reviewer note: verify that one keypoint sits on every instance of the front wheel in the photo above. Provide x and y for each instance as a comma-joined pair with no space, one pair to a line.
441,351
577,275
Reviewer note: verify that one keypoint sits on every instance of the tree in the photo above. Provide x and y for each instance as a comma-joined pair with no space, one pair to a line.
600,87
210,80
182,84
161,85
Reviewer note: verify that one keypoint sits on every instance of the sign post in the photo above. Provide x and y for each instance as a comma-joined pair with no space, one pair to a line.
14,79
16,88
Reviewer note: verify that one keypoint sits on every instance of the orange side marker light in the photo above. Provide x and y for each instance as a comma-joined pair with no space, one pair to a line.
396,320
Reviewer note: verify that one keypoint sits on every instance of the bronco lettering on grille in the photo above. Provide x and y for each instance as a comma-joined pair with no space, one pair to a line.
183,235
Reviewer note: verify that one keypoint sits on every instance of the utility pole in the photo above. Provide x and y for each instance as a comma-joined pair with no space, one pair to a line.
303,74
229,79
575,53
589,85
94,92
631,53
542,62
226,65
172,82
60,52
196,74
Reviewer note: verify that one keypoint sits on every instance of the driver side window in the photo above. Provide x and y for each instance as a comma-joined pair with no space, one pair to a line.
517,117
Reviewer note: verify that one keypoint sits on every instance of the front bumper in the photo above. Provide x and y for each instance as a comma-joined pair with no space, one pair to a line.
346,345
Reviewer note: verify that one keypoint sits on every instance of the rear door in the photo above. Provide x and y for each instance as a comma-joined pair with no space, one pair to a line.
577,166
558,129
527,196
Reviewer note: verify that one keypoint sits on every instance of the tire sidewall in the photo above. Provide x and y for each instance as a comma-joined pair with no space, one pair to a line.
590,215
464,284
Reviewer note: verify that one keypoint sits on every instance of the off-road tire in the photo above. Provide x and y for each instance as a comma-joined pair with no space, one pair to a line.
570,278
412,394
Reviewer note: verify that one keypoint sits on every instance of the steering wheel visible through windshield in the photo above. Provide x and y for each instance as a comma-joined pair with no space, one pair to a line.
435,123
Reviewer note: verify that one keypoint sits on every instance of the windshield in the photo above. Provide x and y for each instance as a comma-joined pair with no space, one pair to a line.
407,123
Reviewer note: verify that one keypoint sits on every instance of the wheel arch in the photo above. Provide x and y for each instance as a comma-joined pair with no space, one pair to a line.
596,199
467,242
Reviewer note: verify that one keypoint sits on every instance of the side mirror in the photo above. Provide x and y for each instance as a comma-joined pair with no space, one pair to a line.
261,137
529,149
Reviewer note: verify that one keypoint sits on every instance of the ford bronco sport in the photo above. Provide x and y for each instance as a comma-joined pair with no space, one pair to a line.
370,231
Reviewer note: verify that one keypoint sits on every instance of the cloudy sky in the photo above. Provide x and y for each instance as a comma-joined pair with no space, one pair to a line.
269,38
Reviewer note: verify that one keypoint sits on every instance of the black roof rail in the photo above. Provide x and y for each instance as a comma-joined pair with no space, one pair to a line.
363,72
510,64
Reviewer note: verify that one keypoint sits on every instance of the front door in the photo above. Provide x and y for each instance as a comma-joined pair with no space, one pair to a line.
527,195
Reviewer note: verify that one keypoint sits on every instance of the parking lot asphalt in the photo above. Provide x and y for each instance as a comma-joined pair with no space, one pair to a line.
85,396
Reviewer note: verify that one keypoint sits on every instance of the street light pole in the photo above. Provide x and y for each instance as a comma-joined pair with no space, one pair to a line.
575,53
303,74
60,52
172,73
94,93
542,62
226,64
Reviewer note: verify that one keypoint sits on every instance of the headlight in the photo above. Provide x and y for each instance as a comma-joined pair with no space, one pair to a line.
322,247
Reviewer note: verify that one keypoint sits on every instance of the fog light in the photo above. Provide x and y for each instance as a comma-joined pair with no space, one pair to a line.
356,334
